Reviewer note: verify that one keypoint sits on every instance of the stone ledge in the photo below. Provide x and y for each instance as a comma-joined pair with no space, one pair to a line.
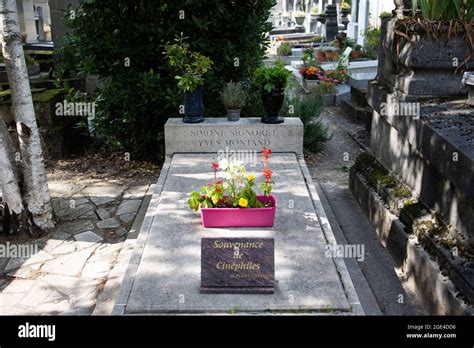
218,134
373,186
438,293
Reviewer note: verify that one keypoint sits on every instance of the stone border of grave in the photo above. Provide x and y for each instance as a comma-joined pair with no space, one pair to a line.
128,280
139,245
438,293
106,299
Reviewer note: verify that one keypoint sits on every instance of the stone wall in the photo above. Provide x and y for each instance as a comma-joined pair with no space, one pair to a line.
58,29
434,155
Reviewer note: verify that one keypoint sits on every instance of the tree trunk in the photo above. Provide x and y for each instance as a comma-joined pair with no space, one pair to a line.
15,214
36,195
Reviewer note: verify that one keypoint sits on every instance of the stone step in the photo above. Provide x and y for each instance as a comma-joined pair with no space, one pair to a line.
359,96
361,79
357,113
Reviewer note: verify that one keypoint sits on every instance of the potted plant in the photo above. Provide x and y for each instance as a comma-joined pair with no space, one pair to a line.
299,17
331,53
190,66
327,87
284,52
434,44
320,54
233,97
357,52
272,82
345,8
321,17
233,201
311,76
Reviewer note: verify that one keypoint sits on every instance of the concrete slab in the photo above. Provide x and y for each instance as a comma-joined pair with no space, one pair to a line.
168,276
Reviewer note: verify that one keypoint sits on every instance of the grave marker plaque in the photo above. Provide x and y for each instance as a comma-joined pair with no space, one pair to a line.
237,265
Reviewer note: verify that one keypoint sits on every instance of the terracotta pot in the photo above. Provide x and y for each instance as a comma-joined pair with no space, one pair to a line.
356,54
331,55
321,56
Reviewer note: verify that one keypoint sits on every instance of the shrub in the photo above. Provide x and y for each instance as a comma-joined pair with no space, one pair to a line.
372,39
284,49
309,108
133,36
234,95
272,78
189,65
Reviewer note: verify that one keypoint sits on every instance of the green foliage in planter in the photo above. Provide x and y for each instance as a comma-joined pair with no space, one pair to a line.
308,108
189,65
445,10
284,49
234,95
272,78
372,39
124,44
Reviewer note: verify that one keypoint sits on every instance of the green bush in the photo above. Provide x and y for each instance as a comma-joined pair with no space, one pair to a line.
372,39
308,108
124,44
284,49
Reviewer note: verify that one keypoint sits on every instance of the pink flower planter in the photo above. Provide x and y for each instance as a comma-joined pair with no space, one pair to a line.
240,217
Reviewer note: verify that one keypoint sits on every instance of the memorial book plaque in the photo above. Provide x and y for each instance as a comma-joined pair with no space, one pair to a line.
237,265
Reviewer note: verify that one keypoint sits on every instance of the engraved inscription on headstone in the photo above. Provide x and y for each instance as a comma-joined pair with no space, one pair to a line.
237,265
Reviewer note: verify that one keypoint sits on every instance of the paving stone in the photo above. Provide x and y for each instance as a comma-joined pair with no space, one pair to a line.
25,272
98,269
15,263
136,192
121,231
103,193
85,210
88,236
68,265
34,262
62,295
127,207
18,286
64,247
127,218
108,223
11,299
98,201
102,213
64,189
77,226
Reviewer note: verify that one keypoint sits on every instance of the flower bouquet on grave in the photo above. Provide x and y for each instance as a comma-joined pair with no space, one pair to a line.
233,202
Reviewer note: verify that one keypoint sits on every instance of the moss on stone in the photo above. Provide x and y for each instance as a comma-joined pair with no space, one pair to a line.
384,179
46,95
412,208
401,192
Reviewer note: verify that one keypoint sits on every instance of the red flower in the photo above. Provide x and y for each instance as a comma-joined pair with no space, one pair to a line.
266,153
215,165
219,182
267,173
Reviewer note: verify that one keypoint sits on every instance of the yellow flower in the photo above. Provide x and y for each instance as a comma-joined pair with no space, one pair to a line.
251,178
215,199
243,202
